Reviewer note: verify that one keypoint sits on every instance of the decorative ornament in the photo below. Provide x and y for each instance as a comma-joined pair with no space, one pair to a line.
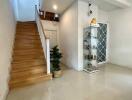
89,9
93,21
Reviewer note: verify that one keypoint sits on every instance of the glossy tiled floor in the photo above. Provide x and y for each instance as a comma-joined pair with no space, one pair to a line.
110,83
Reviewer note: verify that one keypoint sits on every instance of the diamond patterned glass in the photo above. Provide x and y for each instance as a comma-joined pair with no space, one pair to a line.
101,47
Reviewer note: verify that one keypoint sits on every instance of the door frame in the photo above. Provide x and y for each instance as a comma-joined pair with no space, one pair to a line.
50,30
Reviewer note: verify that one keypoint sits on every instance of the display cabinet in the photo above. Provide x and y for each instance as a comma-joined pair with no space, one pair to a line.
90,48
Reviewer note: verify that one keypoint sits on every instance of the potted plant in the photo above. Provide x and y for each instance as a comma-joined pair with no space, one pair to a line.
55,57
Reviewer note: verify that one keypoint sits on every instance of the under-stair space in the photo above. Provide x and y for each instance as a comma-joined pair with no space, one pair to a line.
29,64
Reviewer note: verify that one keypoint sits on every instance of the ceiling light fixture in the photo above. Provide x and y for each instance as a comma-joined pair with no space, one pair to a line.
56,15
55,7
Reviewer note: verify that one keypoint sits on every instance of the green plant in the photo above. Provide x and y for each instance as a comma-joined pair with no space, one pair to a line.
55,57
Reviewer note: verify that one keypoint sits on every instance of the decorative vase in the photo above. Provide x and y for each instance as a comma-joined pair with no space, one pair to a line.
93,21
57,74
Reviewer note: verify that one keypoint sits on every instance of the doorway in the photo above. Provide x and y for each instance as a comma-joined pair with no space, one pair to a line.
52,34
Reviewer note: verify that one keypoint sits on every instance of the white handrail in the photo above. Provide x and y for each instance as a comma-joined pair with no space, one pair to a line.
45,41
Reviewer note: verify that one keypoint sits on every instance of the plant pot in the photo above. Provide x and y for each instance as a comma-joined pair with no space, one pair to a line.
57,74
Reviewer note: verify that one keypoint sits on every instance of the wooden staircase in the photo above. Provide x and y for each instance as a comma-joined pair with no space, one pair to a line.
28,65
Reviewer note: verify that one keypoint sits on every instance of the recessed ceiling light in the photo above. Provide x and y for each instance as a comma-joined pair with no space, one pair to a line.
55,7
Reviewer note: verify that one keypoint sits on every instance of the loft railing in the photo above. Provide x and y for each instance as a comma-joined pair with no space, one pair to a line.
44,40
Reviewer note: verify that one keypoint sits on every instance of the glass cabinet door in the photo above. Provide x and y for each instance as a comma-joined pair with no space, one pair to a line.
90,48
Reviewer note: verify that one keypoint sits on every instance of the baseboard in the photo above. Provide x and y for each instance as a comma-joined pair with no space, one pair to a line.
6,94
80,69
77,69
119,65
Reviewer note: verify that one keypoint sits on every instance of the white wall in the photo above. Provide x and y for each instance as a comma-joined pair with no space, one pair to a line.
73,21
103,16
69,36
121,37
15,7
83,21
25,9
41,4
7,30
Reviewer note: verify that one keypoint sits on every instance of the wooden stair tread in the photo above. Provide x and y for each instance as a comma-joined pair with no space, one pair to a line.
27,36
27,40
28,44
28,50
19,65
28,62
27,33
28,65
35,45
27,59
29,79
28,73
27,55
25,68
27,47
24,78
34,61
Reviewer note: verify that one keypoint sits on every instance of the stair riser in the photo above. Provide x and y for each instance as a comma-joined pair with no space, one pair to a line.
25,74
27,83
28,65
17,69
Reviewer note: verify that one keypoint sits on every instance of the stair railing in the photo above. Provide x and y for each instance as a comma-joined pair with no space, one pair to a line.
44,40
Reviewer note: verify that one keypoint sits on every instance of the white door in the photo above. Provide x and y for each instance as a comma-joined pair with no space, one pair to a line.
52,34
26,9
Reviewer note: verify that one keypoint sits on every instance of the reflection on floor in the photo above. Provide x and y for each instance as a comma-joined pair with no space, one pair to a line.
110,83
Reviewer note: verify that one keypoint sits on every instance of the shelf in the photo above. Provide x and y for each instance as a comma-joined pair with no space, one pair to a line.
91,70
90,45
94,25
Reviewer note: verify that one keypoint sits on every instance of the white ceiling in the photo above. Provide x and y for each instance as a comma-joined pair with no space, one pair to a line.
62,5
106,5
102,4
